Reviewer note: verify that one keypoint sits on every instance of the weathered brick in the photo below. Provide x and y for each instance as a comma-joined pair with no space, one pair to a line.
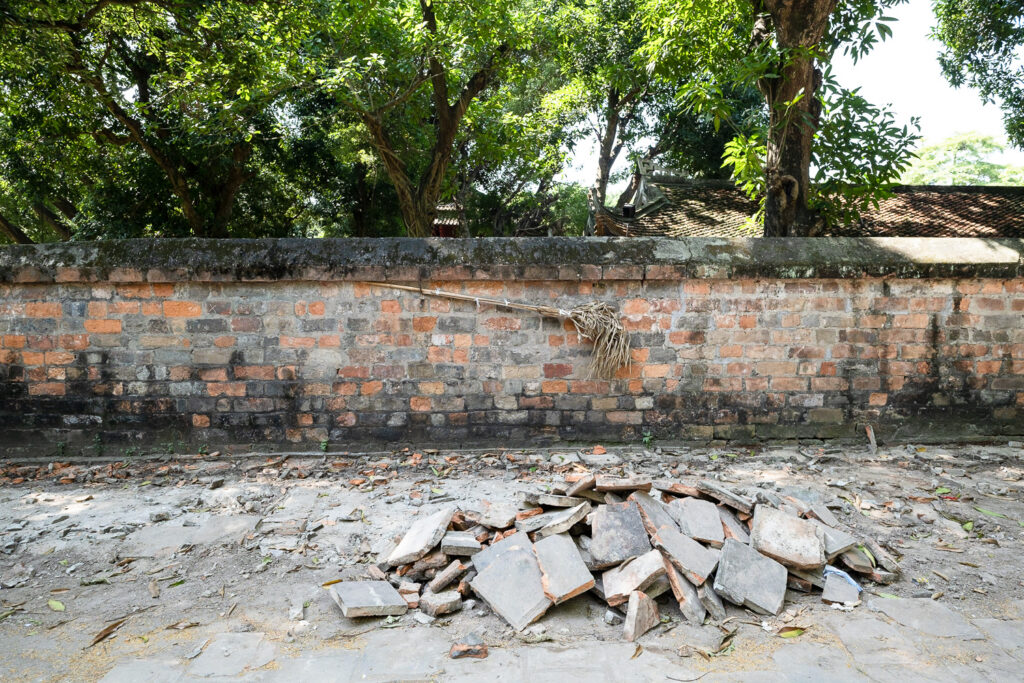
182,309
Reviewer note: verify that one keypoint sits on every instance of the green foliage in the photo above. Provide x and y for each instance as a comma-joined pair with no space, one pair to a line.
964,159
983,41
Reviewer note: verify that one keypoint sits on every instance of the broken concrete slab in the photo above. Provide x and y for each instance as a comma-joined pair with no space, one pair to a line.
421,537
606,482
653,512
229,655
696,562
685,594
514,587
711,602
498,515
562,521
460,544
584,484
485,557
675,487
747,578
790,540
812,577
732,527
641,616
536,522
857,560
698,519
368,599
839,591
563,573
836,540
447,575
724,495
634,574
549,500
820,512
617,534
438,604
606,459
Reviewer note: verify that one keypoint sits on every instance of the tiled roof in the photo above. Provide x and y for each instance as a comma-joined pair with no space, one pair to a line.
717,209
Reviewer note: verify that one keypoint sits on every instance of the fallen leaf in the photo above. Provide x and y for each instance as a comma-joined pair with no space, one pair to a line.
888,596
56,605
990,513
790,631
107,630
639,651
325,584
942,489
968,526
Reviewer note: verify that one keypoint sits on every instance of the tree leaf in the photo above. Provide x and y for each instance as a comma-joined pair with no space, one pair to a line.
990,513
790,631
56,605
107,630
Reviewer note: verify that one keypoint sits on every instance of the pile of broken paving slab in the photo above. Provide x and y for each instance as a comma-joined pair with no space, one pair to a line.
629,540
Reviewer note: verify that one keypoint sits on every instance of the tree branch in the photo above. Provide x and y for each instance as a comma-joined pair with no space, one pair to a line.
13,232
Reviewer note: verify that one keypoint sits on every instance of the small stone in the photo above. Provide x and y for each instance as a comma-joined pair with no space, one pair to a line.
790,540
159,516
605,482
711,602
215,483
617,534
641,616
423,618
297,612
747,578
563,521
724,495
410,592
563,574
421,537
470,646
632,575
460,544
698,519
612,617
696,562
434,560
437,604
447,575
839,590
368,599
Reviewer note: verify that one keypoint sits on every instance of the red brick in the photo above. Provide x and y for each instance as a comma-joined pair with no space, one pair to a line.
213,374
297,342
317,308
878,399
554,386
103,326
182,309
200,421
636,307
371,388
424,323
588,387
552,370
686,337
506,324
419,404
912,320
14,341
226,389
38,309
47,389
789,384
390,306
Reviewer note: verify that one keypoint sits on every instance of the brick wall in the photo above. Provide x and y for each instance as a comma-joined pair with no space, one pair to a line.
278,343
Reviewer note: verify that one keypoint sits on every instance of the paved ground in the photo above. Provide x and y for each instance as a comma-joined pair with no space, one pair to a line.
236,550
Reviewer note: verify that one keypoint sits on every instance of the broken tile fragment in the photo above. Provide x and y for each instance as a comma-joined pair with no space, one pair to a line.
790,540
563,574
698,519
711,602
470,646
836,540
641,616
410,591
653,512
685,594
677,488
498,515
732,527
857,560
485,557
635,574
617,534
368,599
437,604
536,522
561,521
460,544
584,484
694,560
604,482
513,587
839,590
421,537
724,495
820,512
447,575
747,578
550,500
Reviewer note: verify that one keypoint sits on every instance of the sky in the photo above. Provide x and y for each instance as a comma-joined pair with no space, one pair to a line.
902,72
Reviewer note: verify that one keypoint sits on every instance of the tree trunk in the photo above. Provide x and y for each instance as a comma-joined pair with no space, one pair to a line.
797,24
13,232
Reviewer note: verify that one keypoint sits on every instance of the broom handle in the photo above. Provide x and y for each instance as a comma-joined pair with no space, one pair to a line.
549,311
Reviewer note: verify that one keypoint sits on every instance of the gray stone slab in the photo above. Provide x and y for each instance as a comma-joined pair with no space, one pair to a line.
563,573
605,482
927,616
634,574
617,534
712,603
698,519
696,562
726,495
513,587
148,670
749,579
530,524
368,599
836,540
584,484
790,540
820,512
485,557
564,520
653,512
421,537
839,590
685,594
460,544
549,500
641,616
498,515
231,654
732,527
600,459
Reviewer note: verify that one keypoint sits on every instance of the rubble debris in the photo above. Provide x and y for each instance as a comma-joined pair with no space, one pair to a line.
483,559
469,646
550,500
586,483
447,575
836,540
698,519
857,560
732,527
634,483
711,602
368,599
421,537
410,591
685,594
634,574
840,589
617,534
676,488
514,587
561,522
724,495
790,540
641,616
695,561
461,543
653,512
563,573
498,515
747,578
438,604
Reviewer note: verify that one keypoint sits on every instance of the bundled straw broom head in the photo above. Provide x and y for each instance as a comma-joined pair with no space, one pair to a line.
598,322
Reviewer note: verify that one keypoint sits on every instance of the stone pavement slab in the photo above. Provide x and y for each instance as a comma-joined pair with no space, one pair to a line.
231,654
927,616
